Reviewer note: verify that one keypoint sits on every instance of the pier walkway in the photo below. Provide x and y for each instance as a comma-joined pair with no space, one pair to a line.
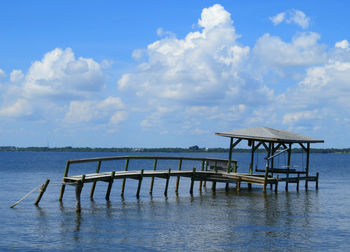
211,170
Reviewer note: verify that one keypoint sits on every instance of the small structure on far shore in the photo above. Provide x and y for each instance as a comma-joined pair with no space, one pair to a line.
275,143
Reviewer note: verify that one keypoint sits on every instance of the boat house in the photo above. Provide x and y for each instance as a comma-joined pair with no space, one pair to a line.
275,142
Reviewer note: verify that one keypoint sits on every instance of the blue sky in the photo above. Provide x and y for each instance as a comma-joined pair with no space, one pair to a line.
171,73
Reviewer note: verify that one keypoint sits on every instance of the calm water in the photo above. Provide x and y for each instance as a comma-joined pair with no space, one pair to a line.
250,220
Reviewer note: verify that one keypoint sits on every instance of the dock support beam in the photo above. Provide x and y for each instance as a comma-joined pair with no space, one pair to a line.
206,169
78,188
63,185
167,183
94,183
152,179
139,185
238,185
192,181
42,191
200,182
307,163
110,183
178,178
288,164
124,179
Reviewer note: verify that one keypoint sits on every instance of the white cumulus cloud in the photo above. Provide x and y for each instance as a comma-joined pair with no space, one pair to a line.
2,74
292,16
205,68
60,75
344,44
50,83
109,110
16,76
19,108
303,50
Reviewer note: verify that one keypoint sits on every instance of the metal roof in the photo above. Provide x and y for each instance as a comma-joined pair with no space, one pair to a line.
269,135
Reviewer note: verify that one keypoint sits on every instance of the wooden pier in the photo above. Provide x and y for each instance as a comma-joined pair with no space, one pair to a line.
273,142
211,173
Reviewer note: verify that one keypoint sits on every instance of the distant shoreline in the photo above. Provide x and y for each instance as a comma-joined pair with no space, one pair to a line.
193,149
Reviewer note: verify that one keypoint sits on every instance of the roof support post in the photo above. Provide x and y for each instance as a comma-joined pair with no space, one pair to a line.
307,163
288,164
267,166
230,155
273,150
232,145
252,159
251,163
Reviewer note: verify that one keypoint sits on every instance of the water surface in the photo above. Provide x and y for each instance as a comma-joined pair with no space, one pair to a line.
221,221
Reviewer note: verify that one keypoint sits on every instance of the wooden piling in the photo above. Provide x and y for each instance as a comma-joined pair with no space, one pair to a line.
124,179
94,183
200,182
238,185
78,188
192,181
110,183
265,178
178,177
63,185
276,185
42,191
206,169
152,179
213,186
317,180
167,183
250,172
307,164
298,182
139,185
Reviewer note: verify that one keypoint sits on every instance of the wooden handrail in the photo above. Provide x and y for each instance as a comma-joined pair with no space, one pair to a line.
87,160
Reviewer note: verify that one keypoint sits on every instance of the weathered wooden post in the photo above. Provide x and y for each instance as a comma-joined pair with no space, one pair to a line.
276,185
124,179
266,175
63,185
178,177
94,183
42,191
213,184
78,188
192,180
227,187
200,182
238,184
152,179
206,169
317,180
167,183
234,167
110,183
288,164
139,185
298,179
307,164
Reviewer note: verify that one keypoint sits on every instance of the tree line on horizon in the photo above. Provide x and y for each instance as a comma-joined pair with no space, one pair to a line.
194,148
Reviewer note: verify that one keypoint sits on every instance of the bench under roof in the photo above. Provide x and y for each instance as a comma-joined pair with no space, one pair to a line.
269,135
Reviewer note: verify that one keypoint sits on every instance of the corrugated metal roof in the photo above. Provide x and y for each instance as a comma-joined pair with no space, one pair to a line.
269,135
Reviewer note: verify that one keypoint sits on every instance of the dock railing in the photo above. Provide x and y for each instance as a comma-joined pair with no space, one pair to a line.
204,167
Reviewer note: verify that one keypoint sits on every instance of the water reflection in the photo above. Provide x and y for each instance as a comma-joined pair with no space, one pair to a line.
231,218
